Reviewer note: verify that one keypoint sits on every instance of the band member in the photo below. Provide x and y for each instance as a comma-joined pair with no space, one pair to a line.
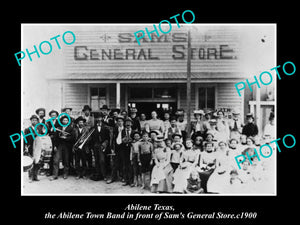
41,112
114,115
65,140
136,126
90,122
28,147
51,133
107,120
81,150
117,148
68,110
100,141
125,152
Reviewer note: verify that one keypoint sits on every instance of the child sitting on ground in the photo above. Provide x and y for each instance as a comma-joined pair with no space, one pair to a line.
194,184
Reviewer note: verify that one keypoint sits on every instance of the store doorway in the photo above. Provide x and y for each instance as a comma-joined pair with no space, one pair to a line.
148,107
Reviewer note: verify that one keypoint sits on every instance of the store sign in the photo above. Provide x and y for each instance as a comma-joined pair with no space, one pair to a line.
176,41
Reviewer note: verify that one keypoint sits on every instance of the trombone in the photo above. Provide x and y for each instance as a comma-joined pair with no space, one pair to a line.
83,139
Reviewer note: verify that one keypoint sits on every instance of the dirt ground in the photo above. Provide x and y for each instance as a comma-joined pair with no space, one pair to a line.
73,186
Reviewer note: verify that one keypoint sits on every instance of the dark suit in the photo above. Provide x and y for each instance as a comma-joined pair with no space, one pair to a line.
100,141
63,150
125,155
81,154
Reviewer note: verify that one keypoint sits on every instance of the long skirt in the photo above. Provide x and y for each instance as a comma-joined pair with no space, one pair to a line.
218,182
180,178
161,178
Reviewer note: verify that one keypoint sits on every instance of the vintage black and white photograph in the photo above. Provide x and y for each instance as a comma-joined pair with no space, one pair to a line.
139,109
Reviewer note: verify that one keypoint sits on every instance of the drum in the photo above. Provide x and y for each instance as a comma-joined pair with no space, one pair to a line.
27,163
42,149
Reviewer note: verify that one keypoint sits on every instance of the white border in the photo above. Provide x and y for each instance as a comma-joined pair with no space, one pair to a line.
158,195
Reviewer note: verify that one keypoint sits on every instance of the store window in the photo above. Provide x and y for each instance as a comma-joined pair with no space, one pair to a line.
98,97
206,97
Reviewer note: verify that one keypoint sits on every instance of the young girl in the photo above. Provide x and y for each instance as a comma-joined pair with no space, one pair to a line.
135,159
193,184
188,162
145,154
161,178
176,153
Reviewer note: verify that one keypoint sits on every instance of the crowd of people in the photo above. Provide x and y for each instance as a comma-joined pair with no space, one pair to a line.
152,153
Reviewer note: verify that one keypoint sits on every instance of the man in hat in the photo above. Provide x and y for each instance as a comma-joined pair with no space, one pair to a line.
125,152
100,141
90,122
117,147
80,153
65,140
173,129
28,147
250,129
235,125
136,126
107,120
68,110
51,132
41,112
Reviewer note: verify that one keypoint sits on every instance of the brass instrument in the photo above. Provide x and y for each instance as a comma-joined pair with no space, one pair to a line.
83,139
63,134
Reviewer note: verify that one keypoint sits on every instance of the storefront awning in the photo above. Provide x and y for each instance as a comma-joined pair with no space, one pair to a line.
166,76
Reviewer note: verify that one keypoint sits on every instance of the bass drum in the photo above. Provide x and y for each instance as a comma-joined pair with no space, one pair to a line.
42,149
27,163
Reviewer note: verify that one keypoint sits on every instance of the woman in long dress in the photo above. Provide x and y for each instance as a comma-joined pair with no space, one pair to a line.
220,178
161,177
188,162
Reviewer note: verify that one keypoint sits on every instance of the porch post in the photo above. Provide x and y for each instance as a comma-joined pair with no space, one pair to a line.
118,95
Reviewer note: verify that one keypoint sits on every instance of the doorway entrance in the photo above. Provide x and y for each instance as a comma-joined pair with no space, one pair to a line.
156,97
